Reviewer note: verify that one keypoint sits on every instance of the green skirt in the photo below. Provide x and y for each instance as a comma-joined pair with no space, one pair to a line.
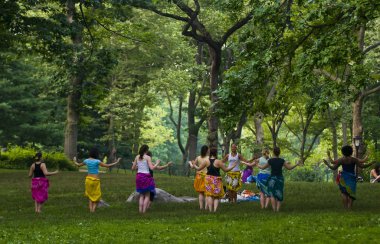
276,187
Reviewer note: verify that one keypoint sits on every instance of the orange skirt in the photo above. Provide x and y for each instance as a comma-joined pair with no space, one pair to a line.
199,182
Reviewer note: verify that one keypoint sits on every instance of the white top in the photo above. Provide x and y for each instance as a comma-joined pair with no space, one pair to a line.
142,166
232,160
262,162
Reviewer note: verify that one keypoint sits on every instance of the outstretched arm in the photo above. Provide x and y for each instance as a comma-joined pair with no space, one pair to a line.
159,167
110,165
333,167
361,163
263,166
223,166
198,168
288,166
47,173
76,162
248,164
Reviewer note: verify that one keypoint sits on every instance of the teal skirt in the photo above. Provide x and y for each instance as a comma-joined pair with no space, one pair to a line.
276,187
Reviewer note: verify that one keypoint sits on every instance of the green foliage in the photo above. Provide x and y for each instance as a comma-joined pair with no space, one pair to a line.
17,157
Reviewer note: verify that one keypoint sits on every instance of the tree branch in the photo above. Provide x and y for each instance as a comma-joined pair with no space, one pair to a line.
370,91
171,109
327,74
236,26
373,46
117,33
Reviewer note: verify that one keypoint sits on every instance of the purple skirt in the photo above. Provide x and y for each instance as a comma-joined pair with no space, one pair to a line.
145,183
246,173
40,187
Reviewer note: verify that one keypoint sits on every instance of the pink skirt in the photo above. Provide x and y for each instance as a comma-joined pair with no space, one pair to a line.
40,187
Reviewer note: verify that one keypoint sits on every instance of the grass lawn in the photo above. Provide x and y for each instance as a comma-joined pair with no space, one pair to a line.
311,213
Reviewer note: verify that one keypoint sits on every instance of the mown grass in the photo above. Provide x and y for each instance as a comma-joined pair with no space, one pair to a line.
311,213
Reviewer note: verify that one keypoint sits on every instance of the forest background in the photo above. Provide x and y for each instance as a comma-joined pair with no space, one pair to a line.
301,75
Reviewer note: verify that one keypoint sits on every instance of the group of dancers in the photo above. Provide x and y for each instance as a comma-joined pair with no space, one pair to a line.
208,181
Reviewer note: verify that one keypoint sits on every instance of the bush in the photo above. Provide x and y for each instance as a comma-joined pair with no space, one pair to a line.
313,173
21,158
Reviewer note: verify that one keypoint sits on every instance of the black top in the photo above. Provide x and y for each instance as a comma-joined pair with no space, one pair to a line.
211,170
348,164
276,166
38,172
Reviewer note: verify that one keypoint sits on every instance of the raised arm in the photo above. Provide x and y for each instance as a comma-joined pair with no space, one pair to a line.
134,164
225,158
361,163
47,173
333,167
288,166
110,165
76,162
200,167
159,167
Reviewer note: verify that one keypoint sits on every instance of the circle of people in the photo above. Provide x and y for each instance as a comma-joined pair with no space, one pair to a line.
208,181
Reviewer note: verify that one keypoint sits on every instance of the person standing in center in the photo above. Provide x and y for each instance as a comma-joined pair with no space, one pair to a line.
213,181
233,178
199,182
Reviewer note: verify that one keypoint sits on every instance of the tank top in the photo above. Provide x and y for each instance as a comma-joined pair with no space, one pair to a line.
204,170
142,166
212,170
38,173
232,160
263,161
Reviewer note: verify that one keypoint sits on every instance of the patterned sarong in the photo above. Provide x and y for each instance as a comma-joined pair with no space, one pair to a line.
214,186
262,183
347,184
276,187
40,187
145,183
92,190
233,180
199,182
246,173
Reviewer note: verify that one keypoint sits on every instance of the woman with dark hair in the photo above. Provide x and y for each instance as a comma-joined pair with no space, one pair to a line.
276,179
92,182
39,184
375,174
347,178
145,184
213,181
199,182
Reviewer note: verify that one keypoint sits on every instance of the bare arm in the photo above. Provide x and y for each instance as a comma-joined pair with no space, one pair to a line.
159,167
361,163
223,166
288,166
225,158
31,170
333,167
110,165
200,167
134,164
47,173
263,166
76,162
248,164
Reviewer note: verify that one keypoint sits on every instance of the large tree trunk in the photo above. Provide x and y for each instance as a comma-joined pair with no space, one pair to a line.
344,133
357,129
215,56
73,99
258,120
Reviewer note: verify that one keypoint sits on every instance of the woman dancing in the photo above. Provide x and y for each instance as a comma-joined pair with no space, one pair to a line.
199,182
375,174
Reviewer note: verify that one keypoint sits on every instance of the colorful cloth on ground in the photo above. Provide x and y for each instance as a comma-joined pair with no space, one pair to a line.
262,183
199,182
233,180
214,186
93,191
347,184
40,187
276,187
246,173
145,183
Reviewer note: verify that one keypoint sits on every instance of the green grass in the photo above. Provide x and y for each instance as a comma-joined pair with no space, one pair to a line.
311,213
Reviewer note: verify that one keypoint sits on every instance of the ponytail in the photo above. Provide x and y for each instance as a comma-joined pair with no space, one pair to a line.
143,149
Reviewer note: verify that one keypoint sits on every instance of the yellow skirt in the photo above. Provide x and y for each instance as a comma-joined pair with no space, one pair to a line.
199,182
233,180
93,189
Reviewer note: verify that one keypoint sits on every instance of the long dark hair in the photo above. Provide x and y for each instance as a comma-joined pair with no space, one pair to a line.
143,149
214,152
204,150
38,156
